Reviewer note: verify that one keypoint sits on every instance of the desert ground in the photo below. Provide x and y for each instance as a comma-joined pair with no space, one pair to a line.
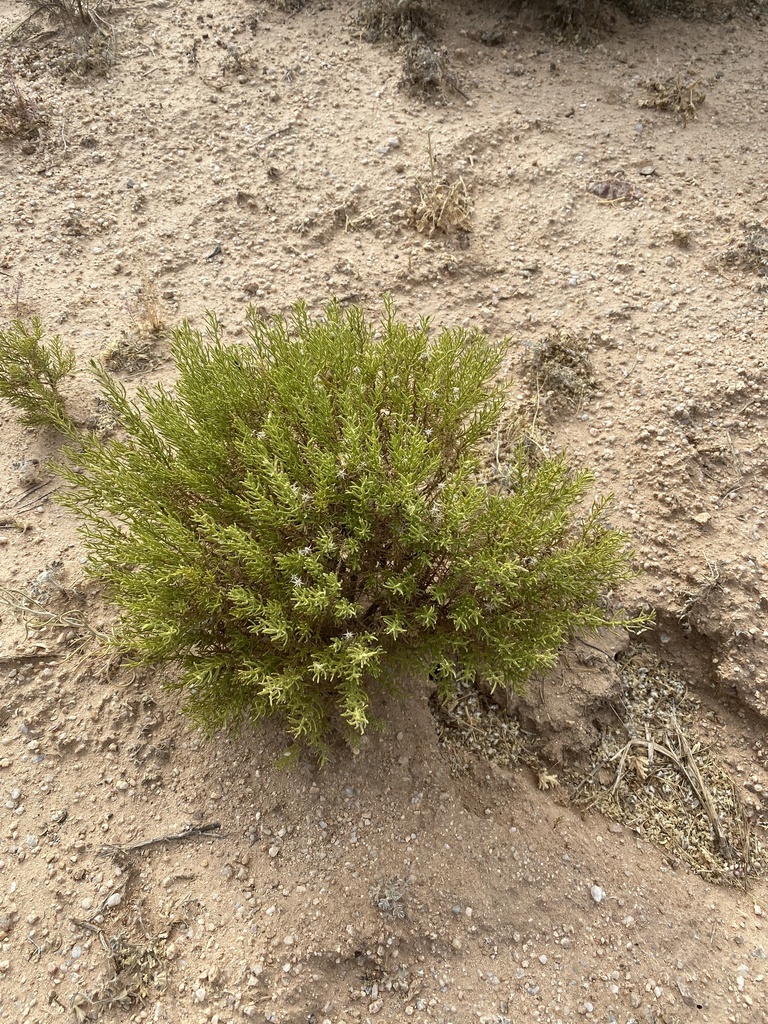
590,851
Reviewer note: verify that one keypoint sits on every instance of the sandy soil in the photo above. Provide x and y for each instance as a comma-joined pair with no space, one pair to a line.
235,153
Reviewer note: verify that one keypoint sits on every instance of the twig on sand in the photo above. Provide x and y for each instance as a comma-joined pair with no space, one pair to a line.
210,830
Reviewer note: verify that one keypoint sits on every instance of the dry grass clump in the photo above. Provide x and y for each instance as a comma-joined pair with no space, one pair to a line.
584,22
397,20
679,93
145,309
561,368
21,116
13,305
91,54
90,45
442,205
76,14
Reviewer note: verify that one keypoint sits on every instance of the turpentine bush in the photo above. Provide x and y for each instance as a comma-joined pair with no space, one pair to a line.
30,372
298,522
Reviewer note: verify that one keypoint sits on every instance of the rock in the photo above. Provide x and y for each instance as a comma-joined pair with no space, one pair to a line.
29,472
597,894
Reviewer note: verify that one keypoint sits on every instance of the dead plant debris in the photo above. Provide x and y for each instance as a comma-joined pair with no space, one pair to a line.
211,830
680,93
655,775
517,428
80,41
427,72
470,724
396,20
133,352
561,368
652,773
752,253
135,971
21,115
614,190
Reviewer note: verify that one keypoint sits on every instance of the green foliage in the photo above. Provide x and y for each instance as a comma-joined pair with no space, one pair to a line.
299,522
30,372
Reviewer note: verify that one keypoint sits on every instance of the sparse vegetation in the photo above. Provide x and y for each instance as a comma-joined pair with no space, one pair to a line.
426,71
21,116
389,897
69,13
397,20
412,25
93,53
584,22
578,21
11,297
441,205
131,352
90,39
752,253
145,309
652,773
300,521
30,373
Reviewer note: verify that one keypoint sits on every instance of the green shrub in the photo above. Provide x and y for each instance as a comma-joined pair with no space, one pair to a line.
30,373
299,523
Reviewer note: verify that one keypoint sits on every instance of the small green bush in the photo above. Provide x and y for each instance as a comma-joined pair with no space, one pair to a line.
30,373
299,522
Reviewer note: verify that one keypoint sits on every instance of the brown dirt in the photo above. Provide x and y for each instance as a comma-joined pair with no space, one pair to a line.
388,886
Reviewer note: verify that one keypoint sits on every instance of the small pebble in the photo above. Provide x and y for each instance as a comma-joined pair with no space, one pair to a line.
597,894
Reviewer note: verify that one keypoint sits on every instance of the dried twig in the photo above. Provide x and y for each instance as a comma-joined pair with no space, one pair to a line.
31,607
210,831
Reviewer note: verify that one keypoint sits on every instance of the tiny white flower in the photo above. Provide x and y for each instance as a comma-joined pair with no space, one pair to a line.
297,581
349,636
